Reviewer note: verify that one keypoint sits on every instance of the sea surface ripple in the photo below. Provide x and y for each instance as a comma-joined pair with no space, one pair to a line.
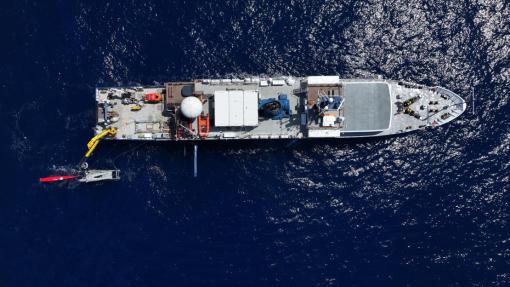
426,209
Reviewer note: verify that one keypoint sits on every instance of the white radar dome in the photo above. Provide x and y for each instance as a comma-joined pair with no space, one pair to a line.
191,107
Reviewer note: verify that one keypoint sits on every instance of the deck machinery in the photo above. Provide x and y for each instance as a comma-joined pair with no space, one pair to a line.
273,108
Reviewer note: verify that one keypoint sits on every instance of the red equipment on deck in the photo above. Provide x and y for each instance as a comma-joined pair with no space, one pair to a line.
203,126
153,98
57,178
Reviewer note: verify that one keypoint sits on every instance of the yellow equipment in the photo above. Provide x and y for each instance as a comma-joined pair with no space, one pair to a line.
92,144
136,108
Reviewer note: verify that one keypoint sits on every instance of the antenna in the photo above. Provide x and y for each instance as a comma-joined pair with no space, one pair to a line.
291,143
195,171
473,100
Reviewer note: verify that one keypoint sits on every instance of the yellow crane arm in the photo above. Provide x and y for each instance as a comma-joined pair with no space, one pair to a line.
92,144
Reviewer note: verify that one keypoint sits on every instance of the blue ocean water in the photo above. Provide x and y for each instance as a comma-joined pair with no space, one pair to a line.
427,209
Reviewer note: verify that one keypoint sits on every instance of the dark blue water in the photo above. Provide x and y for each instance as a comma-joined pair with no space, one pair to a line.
428,209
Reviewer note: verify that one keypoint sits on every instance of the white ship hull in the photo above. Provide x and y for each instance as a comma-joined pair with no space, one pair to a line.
273,108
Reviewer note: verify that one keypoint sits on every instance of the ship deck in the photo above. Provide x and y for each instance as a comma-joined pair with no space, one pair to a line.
266,128
147,123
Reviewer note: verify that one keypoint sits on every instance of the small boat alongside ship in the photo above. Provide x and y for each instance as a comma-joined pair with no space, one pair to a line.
86,176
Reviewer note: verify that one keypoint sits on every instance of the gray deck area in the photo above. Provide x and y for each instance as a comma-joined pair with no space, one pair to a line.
147,123
367,106
267,128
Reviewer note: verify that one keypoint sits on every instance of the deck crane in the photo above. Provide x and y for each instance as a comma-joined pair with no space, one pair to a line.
92,144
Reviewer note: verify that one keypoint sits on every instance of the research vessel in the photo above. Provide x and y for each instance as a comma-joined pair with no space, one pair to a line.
260,108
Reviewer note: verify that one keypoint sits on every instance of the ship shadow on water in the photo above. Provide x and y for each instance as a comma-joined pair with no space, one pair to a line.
118,148
227,145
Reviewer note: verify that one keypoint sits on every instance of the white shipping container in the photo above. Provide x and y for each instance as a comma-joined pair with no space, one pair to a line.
221,109
251,116
235,108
